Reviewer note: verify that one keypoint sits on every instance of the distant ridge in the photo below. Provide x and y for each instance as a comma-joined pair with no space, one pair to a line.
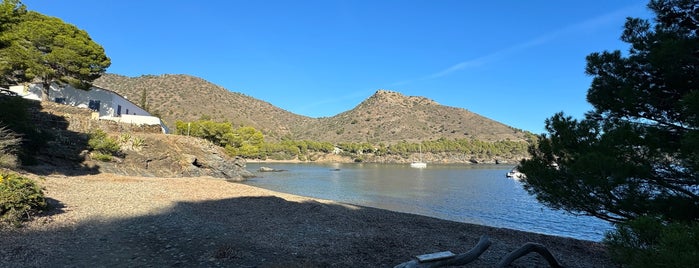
385,117
392,116
188,98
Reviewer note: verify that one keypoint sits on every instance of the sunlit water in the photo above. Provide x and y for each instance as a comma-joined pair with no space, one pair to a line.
479,194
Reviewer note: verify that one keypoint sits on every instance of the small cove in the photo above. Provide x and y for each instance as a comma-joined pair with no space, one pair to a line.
479,194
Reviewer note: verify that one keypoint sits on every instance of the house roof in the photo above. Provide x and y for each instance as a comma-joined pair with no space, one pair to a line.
113,92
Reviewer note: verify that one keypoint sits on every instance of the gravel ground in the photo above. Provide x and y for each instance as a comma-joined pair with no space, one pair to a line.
118,221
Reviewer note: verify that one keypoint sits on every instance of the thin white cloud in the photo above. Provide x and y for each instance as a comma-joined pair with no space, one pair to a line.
495,56
587,25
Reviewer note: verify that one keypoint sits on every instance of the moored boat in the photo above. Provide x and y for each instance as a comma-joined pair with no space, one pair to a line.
515,174
419,164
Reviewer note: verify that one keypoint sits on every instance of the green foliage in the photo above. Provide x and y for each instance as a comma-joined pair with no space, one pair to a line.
11,12
637,153
44,48
648,242
126,142
249,142
206,129
138,142
124,138
143,103
290,149
19,198
483,149
242,141
243,136
356,148
104,147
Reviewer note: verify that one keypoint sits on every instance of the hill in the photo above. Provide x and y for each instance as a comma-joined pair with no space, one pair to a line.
66,144
389,116
188,98
386,116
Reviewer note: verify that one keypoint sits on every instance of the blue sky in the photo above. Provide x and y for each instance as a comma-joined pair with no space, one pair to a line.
517,62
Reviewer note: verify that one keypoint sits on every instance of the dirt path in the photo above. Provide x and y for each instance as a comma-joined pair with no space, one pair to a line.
116,221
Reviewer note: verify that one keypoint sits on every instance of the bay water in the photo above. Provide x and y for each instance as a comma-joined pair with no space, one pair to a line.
479,194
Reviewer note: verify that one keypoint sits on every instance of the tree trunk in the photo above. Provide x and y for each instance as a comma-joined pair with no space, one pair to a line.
526,249
460,259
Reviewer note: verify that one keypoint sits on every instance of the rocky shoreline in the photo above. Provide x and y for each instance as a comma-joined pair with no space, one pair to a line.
107,220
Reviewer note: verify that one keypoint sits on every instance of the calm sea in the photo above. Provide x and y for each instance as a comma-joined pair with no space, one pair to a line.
479,194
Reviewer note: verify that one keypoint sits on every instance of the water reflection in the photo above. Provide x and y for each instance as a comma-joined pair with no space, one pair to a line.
465,193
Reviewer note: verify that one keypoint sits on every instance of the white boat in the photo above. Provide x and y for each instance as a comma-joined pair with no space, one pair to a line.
515,174
419,164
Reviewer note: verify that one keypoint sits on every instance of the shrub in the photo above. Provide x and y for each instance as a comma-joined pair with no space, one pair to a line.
19,198
124,138
127,142
649,242
138,143
103,145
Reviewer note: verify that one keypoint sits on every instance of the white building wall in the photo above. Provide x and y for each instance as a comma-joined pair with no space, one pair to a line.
138,120
109,102
32,93
127,107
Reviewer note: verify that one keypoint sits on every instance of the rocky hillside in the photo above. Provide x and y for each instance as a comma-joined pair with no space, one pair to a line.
386,116
144,151
188,98
391,116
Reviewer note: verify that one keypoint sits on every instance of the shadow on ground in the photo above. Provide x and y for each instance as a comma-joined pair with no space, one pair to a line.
48,146
268,232
54,207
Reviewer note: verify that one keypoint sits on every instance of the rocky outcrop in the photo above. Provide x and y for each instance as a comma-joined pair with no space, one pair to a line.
143,150
269,169
174,156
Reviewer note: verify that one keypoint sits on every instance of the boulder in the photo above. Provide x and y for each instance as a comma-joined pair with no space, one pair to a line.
269,169
178,156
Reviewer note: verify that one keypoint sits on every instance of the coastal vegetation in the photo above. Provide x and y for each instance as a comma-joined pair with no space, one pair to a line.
242,141
385,117
103,146
39,48
20,197
43,49
634,159
248,142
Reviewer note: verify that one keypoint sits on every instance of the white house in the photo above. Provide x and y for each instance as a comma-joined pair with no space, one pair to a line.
109,104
